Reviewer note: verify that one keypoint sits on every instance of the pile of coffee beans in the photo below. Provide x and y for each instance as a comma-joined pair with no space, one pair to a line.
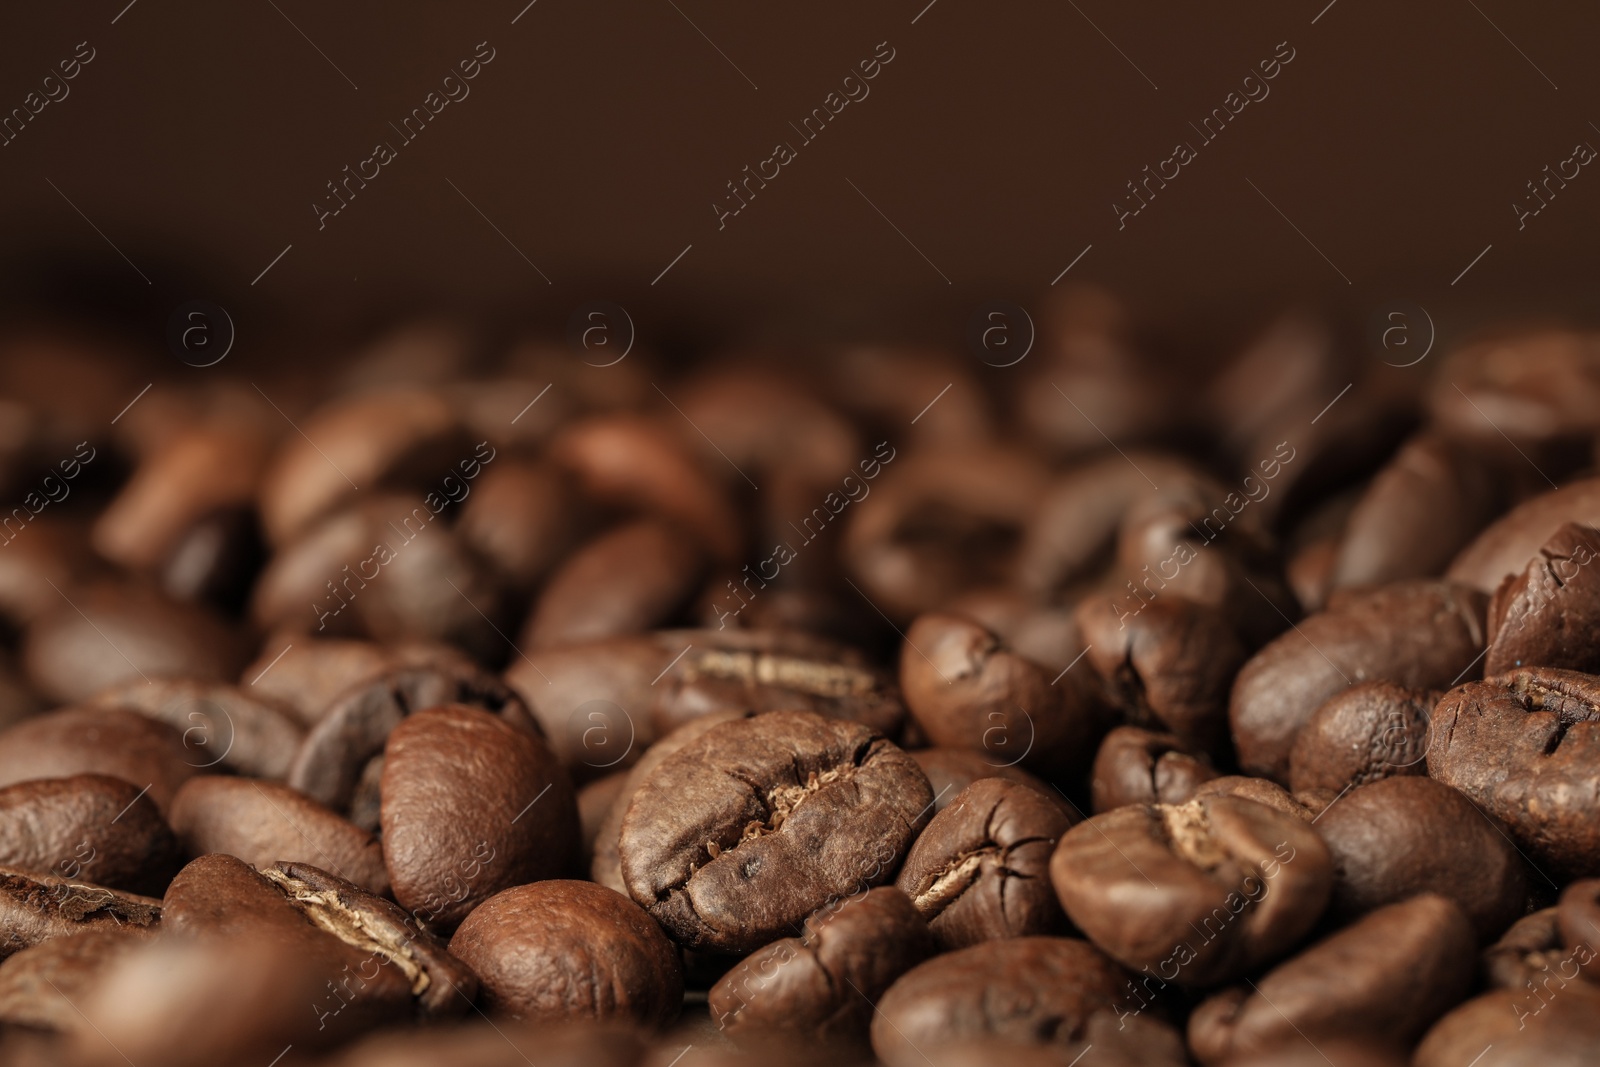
463,701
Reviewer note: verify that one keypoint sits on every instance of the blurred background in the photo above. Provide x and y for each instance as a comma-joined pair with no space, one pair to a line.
185,159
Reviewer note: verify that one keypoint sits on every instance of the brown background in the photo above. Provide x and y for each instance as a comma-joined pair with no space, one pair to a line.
996,140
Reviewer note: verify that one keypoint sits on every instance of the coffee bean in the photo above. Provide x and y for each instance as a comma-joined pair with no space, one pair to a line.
264,822
108,635
216,561
1512,540
613,677
1525,747
1416,513
1198,893
1370,731
595,801
950,770
1028,991
110,741
564,951
38,907
222,726
353,730
1524,1029
1549,615
981,868
88,826
1166,665
1260,790
1387,976
523,517
1136,766
471,806
1530,947
966,690
486,1043
821,987
1399,837
1539,382
307,677
40,984
1340,1051
737,837
1578,921
1417,634
1045,633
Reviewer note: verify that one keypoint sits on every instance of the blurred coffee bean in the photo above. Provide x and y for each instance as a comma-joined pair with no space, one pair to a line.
390,436
307,676
1418,634
1527,950
1530,386
821,987
634,463
485,1043
762,421
1027,991
265,822
594,804
1166,665
1387,977
216,561
87,826
353,730
1370,731
385,567
38,907
1201,892
1137,766
1399,837
222,725
1260,790
522,516
1512,540
565,951
738,836
40,984
937,524
471,806
51,555
1309,571
105,635
1525,747
981,868
966,690
1046,634
1416,514
1549,615
1523,1028
892,387
110,741
628,580
950,770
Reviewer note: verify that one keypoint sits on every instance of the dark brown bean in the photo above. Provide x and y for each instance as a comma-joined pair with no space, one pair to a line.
1370,731
222,726
950,770
1514,538
88,826
1137,766
38,907
40,984
1549,615
1524,1029
110,741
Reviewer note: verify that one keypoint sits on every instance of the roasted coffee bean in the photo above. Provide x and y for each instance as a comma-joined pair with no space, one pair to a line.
471,806
88,826
388,567
939,523
564,951
1370,731
1399,837
1416,513
981,868
737,837
1339,1051
610,678
1549,615
484,1043
1418,634
373,438
822,986
1525,747
606,865
110,741
1525,1029
348,931
771,422
1137,766
222,726
265,822
634,578
108,635
950,770
1164,665
1512,540
1260,790
1528,949
966,690
216,561
329,765
1387,977
308,677
1578,920
1199,893
38,907
637,463
1019,991
1527,385
1045,633
523,517
40,984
